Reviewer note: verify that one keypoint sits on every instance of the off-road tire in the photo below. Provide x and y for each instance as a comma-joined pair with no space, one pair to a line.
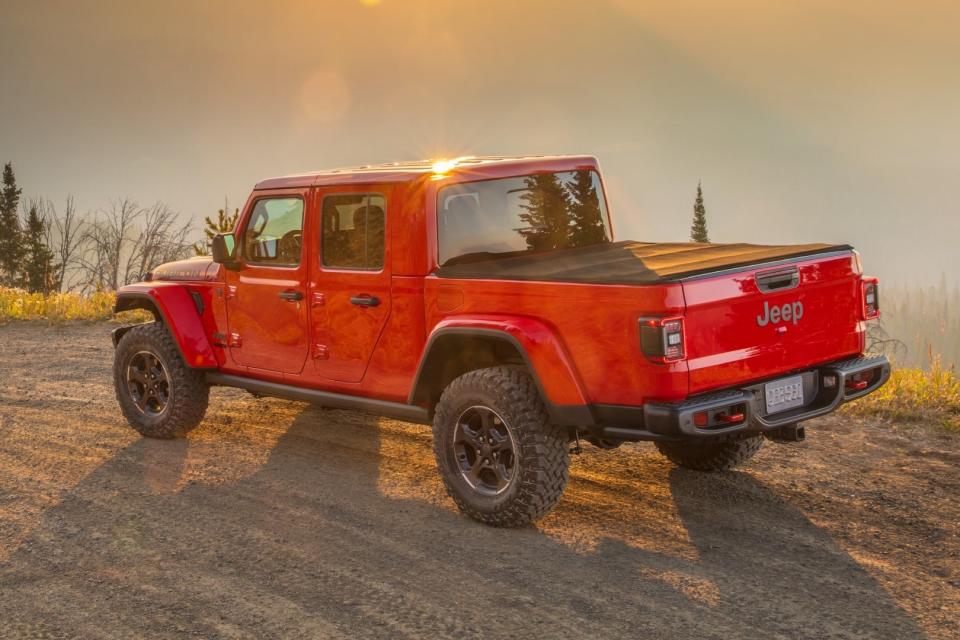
719,456
541,449
188,389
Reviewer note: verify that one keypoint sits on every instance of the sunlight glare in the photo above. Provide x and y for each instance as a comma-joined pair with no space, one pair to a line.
444,166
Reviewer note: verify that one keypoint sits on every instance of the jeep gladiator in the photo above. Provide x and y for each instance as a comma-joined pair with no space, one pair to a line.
489,298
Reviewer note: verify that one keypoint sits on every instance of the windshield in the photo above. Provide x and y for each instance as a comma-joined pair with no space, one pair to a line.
480,220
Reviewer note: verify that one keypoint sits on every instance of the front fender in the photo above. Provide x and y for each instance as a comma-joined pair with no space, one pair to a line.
172,304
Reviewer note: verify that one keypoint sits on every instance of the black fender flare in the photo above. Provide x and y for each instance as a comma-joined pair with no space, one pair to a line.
560,414
172,304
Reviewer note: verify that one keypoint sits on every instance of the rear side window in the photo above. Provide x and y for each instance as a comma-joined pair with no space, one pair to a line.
514,216
274,232
353,231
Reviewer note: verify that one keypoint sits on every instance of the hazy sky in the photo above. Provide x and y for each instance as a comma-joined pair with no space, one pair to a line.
806,120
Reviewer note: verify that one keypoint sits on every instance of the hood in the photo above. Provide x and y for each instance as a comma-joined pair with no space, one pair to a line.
198,269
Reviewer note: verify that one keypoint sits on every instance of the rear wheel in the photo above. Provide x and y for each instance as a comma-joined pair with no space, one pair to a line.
159,395
501,460
717,456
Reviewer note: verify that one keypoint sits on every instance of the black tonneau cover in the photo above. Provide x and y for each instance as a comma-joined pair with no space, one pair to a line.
629,262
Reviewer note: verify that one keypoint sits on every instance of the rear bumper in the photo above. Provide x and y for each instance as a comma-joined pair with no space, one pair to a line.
675,421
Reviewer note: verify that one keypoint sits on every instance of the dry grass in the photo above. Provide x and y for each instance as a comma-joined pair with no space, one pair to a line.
17,304
916,395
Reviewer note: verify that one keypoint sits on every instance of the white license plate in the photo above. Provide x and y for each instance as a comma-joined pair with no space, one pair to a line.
784,394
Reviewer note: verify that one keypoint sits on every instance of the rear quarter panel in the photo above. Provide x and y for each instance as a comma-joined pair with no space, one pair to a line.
595,324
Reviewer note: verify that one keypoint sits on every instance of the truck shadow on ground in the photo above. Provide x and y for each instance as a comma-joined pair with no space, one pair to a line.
308,544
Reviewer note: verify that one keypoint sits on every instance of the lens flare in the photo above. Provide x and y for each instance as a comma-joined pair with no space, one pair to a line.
444,166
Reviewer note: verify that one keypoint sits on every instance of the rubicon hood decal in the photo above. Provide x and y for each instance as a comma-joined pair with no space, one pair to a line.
190,269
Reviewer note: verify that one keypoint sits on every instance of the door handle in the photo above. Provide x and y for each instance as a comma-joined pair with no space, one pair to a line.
291,295
365,300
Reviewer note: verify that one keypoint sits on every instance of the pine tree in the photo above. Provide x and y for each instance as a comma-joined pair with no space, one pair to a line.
224,223
698,230
546,215
585,211
11,243
39,270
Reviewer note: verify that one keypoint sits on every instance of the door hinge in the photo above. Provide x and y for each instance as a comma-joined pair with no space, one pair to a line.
318,300
235,340
231,291
320,352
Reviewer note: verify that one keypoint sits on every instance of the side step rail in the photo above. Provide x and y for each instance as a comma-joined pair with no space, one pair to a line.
397,410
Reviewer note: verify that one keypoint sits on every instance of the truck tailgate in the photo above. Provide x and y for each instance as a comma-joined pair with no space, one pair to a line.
760,322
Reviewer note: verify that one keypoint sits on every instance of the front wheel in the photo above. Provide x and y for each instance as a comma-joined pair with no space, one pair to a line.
159,395
501,460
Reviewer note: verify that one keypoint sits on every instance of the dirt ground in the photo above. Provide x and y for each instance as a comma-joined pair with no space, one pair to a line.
277,519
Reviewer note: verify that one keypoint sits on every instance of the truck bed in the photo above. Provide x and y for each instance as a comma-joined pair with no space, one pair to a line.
628,262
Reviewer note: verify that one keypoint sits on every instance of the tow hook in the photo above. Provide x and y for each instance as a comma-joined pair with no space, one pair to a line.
787,433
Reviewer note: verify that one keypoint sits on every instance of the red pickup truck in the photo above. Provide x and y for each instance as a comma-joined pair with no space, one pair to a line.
489,298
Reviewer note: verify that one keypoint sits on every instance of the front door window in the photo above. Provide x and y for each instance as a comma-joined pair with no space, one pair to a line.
274,232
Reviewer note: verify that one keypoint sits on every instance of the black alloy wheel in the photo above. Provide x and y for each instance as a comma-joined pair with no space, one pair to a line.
500,458
148,383
160,396
484,450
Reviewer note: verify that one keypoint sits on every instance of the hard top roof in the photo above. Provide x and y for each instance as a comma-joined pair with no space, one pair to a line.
478,167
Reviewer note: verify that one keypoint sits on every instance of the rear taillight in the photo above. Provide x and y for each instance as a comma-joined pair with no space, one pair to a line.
870,298
661,339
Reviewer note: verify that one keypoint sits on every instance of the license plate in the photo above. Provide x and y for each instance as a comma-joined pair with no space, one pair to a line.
784,394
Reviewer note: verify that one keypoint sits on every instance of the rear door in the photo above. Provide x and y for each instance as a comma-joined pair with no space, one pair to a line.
266,306
350,291
762,322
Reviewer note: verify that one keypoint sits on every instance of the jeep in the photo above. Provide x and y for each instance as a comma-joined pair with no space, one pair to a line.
489,298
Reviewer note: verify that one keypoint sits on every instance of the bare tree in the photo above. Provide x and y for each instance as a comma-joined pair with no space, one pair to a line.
126,240
880,341
105,239
160,240
65,236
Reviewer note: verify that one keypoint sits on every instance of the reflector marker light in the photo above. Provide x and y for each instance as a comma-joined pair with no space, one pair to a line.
721,417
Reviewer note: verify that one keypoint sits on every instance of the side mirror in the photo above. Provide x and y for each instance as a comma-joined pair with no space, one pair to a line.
222,248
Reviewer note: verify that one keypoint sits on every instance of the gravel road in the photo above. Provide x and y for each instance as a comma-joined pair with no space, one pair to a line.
279,520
